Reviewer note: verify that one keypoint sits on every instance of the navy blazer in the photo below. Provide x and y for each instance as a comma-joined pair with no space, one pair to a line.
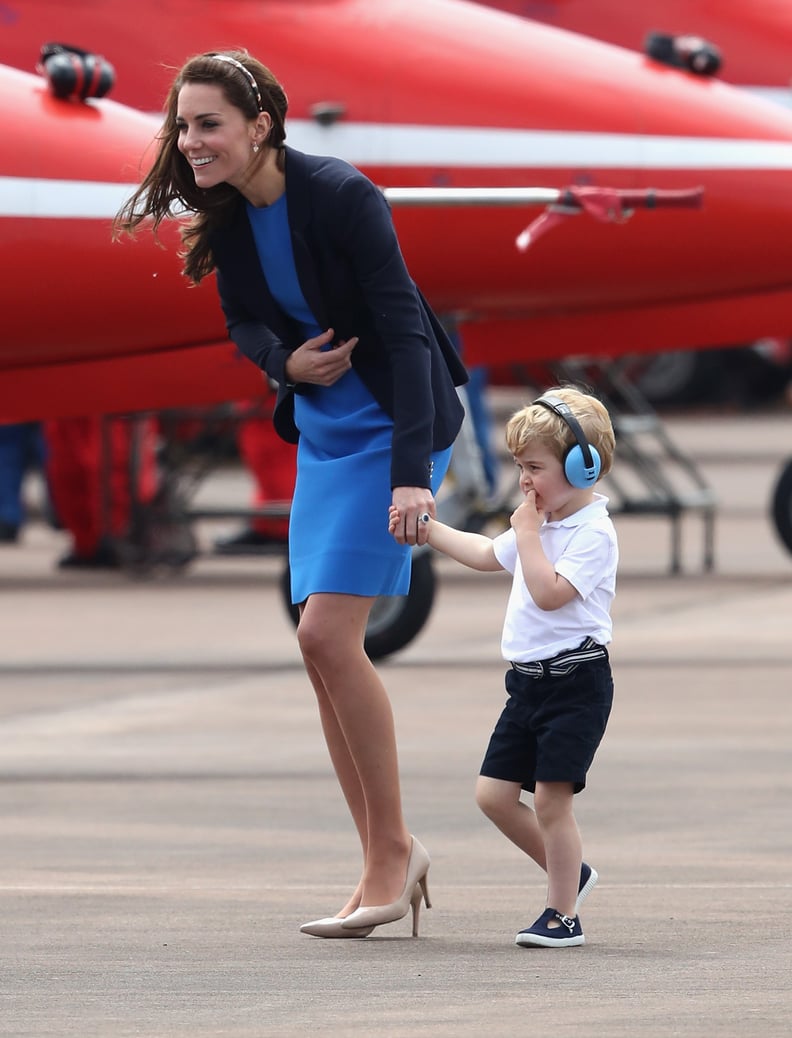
354,279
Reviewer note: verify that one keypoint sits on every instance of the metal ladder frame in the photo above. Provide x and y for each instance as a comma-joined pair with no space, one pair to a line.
635,420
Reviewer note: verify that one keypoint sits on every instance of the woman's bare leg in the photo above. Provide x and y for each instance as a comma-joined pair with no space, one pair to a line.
346,772
356,711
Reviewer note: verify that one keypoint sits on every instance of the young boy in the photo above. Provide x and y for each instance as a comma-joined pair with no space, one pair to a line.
562,552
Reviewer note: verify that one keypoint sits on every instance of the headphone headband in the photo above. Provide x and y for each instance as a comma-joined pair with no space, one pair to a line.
589,455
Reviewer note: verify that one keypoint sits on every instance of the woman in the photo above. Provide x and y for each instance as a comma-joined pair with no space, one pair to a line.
316,293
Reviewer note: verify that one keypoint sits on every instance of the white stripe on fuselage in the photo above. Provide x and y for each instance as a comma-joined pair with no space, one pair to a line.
444,148
778,95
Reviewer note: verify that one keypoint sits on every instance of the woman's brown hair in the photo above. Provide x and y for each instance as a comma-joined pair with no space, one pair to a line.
169,188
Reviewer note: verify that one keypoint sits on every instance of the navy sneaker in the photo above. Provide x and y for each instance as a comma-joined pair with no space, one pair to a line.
588,879
567,935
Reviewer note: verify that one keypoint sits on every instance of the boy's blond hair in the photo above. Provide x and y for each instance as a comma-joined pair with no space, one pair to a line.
536,424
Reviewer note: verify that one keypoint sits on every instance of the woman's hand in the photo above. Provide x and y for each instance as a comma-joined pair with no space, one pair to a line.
314,362
404,520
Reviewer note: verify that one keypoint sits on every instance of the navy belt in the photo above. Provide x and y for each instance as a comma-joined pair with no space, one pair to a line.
564,662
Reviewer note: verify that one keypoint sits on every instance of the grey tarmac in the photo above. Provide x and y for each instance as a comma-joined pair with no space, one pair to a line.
169,816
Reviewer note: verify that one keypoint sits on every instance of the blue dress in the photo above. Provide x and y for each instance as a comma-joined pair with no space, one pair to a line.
338,529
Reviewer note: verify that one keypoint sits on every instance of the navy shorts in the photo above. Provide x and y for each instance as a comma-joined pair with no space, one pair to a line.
551,727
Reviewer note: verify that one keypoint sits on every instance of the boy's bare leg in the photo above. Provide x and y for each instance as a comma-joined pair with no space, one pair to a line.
500,802
549,835
563,848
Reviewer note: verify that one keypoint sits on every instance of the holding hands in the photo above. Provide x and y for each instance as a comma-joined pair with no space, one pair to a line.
410,514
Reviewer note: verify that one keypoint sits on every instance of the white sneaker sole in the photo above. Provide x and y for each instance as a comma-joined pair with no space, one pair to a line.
584,892
534,940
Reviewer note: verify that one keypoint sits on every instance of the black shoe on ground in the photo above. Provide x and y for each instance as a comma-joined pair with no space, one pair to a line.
249,542
568,933
105,557
9,532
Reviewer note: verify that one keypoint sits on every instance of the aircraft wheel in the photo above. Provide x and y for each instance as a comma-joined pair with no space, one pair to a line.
676,377
782,505
394,619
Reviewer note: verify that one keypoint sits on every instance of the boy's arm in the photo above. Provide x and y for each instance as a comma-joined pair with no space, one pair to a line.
548,589
471,549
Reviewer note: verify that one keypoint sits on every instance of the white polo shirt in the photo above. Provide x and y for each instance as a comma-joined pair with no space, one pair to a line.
583,550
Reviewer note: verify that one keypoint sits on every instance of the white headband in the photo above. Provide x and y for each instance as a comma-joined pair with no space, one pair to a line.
250,77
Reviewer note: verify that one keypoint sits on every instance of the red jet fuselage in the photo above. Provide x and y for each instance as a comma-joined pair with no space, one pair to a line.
428,92
755,39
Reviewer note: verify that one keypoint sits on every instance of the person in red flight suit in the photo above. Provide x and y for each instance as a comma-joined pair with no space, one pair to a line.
96,511
273,465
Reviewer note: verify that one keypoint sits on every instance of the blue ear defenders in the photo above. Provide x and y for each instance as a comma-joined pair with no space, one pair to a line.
581,462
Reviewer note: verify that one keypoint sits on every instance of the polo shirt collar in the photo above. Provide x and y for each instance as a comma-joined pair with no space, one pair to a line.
596,510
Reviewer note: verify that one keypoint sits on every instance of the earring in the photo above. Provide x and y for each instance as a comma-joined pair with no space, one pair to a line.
255,148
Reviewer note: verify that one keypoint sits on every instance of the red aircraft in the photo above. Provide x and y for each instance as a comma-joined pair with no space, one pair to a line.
753,45
754,39
418,93
748,45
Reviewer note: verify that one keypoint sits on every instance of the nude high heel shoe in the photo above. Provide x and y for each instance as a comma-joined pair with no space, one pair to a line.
331,926
420,893
415,889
